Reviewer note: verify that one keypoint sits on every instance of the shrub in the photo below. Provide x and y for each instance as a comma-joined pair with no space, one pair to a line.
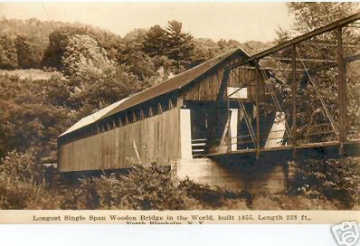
25,184
143,188
22,183
335,179
213,197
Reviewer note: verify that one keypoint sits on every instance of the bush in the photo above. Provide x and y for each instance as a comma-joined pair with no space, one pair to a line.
22,183
25,184
335,179
150,188
214,197
143,188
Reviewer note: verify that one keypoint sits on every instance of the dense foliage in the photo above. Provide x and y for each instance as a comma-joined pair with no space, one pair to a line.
26,185
318,74
337,180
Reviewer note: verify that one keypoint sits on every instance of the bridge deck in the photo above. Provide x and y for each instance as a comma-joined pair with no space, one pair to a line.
304,151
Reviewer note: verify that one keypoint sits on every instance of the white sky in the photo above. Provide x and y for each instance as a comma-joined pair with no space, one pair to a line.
242,21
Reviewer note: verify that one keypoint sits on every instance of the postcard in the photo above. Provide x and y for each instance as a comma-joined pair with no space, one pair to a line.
181,113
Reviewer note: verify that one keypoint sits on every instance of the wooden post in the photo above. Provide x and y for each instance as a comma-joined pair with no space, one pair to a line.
160,110
151,113
341,90
228,114
126,118
134,118
294,89
120,123
257,112
142,114
170,103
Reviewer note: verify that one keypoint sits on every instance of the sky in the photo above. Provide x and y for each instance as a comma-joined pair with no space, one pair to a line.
242,21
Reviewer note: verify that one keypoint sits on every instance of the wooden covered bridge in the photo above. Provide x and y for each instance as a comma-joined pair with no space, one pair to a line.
234,107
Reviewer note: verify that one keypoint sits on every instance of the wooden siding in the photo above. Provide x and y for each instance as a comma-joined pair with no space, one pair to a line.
207,88
156,139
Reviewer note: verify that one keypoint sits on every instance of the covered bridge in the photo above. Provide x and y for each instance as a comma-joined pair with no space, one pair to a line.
184,117
209,121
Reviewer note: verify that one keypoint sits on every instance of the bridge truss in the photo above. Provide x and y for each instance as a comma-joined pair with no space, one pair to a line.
305,78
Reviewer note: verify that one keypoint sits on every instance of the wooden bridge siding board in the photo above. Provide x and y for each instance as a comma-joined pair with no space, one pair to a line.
103,151
150,128
64,156
105,139
124,150
220,74
159,137
139,140
112,149
116,133
208,87
147,145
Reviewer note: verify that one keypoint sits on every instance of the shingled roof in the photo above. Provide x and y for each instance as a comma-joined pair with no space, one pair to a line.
172,84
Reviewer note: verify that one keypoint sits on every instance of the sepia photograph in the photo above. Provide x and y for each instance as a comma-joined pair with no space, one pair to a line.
225,111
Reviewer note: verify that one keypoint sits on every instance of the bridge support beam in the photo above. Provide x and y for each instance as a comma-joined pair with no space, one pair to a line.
185,134
233,128
294,90
257,102
341,90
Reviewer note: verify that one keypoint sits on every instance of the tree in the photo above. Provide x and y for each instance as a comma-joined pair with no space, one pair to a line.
27,119
8,53
321,79
83,56
28,56
155,41
173,43
179,45
135,58
58,41
100,90
310,15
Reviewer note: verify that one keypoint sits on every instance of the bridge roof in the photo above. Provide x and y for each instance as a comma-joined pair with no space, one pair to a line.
172,84
176,82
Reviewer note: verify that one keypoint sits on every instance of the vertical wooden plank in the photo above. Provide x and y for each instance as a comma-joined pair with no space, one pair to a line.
113,147
257,96
147,139
116,157
208,87
122,147
83,144
211,86
101,149
177,132
125,150
164,143
294,89
341,90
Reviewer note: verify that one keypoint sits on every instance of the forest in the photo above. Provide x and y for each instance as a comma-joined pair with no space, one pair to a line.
54,73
